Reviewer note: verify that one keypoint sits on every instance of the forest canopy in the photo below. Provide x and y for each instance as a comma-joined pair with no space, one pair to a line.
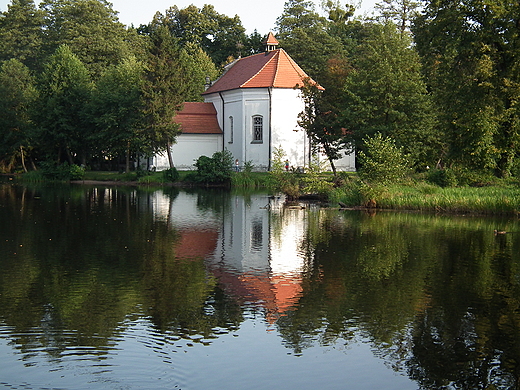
440,79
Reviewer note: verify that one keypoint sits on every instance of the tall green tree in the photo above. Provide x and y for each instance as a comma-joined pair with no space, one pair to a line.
220,36
321,120
400,12
470,52
61,126
115,109
21,33
199,66
90,28
17,94
304,34
164,91
386,93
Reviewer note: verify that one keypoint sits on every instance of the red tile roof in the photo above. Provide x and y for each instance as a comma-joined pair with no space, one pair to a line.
198,118
270,40
274,69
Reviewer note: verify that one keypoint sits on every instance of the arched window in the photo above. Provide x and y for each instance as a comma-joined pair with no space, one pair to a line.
231,129
258,129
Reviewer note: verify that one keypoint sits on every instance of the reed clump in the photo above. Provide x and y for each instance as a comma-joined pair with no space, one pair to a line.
426,197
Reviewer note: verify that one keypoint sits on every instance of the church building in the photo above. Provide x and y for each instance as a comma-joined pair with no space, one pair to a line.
251,110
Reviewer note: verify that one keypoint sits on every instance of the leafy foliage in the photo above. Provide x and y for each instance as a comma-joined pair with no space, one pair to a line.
17,94
386,94
382,161
65,88
220,36
21,33
90,28
300,26
213,170
62,172
282,180
470,52
115,108
171,174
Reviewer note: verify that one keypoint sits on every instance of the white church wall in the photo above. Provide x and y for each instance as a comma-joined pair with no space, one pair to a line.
188,149
256,103
285,131
281,108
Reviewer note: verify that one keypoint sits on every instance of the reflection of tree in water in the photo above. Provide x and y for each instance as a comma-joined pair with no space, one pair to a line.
78,264
470,337
183,299
437,297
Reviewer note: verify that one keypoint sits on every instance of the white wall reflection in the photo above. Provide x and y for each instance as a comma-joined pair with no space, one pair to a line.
253,247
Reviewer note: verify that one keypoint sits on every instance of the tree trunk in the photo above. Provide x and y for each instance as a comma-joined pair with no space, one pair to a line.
127,161
332,166
23,158
69,156
169,151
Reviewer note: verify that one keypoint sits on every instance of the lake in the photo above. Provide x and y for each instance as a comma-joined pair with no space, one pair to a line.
135,288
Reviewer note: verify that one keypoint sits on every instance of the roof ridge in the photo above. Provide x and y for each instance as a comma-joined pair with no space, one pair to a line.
294,65
277,55
260,70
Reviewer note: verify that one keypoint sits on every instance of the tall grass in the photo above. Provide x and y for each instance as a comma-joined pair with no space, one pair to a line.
426,197
247,179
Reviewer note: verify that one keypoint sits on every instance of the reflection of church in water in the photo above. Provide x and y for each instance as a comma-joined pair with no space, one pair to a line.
252,247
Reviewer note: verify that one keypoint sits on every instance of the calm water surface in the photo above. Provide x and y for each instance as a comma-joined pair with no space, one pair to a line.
125,288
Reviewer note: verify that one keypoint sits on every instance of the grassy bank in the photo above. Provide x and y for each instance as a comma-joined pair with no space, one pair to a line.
500,198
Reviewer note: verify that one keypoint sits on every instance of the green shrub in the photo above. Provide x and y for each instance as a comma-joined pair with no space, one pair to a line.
314,182
460,176
33,177
214,170
170,175
281,180
382,161
442,177
62,172
76,172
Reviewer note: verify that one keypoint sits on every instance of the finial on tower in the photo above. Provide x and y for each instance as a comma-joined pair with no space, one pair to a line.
270,42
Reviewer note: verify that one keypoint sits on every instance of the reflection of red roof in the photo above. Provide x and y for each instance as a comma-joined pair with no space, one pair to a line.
276,293
274,69
198,118
196,244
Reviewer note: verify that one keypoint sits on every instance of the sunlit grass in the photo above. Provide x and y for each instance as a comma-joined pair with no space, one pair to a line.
250,179
426,197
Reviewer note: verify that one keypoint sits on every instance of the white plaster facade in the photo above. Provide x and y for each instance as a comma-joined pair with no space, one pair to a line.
187,149
279,109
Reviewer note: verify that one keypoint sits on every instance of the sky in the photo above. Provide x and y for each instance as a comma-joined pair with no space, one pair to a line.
254,14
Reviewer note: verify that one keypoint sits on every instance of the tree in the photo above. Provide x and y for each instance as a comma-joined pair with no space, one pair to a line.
199,66
304,34
21,33
220,36
385,93
400,12
115,108
90,28
65,87
381,160
320,121
17,94
164,91
471,53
